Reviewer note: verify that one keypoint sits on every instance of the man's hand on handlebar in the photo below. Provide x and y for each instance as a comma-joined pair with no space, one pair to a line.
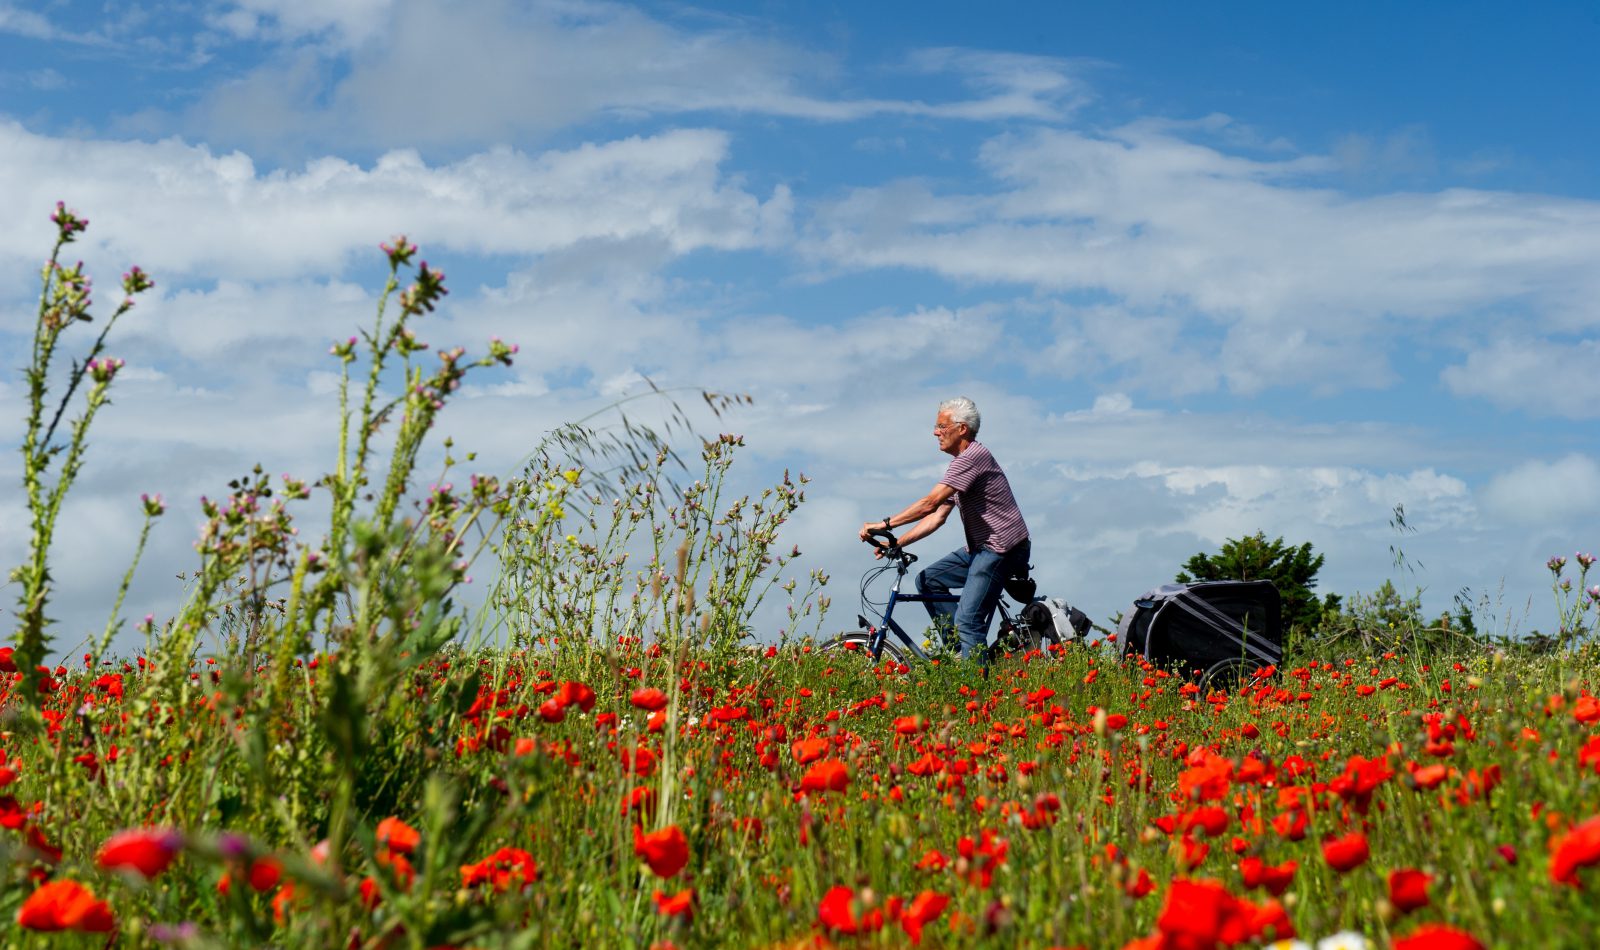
880,537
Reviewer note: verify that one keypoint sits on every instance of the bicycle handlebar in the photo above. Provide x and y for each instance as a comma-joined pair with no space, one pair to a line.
890,546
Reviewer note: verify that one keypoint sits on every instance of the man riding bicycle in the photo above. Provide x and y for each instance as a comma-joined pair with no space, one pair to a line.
997,537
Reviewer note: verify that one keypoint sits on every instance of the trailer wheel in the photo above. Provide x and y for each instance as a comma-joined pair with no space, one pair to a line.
1225,676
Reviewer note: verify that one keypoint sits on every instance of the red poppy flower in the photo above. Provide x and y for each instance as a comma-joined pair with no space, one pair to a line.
1588,756
1208,818
501,869
837,912
1437,937
1429,776
640,761
1208,778
1195,909
552,710
1408,889
925,908
933,861
809,750
145,851
1578,848
1360,779
7,664
829,775
283,902
65,905
1346,852
666,851
1586,709
680,904
369,894
12,815
909,725
649,698
1273,879
397,836
576,694
641,799
264,875
1290,825
1139,885
1191,853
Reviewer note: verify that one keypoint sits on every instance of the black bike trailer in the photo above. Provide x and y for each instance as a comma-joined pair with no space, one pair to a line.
1217,631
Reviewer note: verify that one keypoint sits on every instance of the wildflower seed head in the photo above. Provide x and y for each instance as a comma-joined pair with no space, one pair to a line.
103,370
1555,564
407,343
154,507
136,281
501,352
399,250
68,224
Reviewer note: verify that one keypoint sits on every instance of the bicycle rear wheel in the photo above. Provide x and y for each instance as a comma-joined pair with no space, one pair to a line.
859,643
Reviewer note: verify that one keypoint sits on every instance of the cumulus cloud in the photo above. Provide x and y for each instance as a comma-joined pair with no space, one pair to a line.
426,73
1294,281
198,212
1103,281
346,22
1545,493
1540,376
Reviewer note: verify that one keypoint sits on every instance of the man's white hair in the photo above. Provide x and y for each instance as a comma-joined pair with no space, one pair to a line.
964,411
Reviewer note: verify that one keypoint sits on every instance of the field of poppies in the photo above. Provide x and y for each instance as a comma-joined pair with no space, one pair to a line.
616,794
323,748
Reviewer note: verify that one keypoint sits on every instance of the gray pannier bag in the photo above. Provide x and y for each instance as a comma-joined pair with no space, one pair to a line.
1053,619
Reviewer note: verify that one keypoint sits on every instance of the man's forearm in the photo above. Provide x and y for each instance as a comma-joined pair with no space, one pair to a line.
916,511
923,527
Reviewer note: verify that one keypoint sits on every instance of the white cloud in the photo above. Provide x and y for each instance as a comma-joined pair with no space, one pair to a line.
350,21
27,23
1154,258
176,208
1543,377
1545,493
1294,282
425,73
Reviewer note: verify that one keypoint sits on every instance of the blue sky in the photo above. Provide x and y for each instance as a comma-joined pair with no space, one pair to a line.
1208,269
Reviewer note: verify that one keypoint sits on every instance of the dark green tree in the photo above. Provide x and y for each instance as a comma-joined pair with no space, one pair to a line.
1293,570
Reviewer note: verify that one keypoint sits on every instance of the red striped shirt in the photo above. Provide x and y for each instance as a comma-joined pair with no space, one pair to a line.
989,512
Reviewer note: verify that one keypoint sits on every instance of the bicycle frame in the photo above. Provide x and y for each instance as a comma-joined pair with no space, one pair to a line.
879,634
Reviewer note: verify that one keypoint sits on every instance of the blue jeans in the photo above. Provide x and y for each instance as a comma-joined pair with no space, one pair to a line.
979,575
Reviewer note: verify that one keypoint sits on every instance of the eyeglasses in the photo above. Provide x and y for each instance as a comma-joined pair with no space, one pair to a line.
947,426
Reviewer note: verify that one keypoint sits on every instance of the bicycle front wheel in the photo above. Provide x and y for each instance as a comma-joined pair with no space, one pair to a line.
859,643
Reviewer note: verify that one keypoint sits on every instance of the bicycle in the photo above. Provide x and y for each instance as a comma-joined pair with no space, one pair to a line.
874,638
